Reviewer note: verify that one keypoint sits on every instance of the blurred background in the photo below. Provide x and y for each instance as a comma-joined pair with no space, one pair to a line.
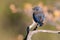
16,15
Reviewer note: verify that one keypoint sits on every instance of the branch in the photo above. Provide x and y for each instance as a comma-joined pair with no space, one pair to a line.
36,31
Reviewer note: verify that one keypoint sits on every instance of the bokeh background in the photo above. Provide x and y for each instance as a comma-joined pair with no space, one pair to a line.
16,15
